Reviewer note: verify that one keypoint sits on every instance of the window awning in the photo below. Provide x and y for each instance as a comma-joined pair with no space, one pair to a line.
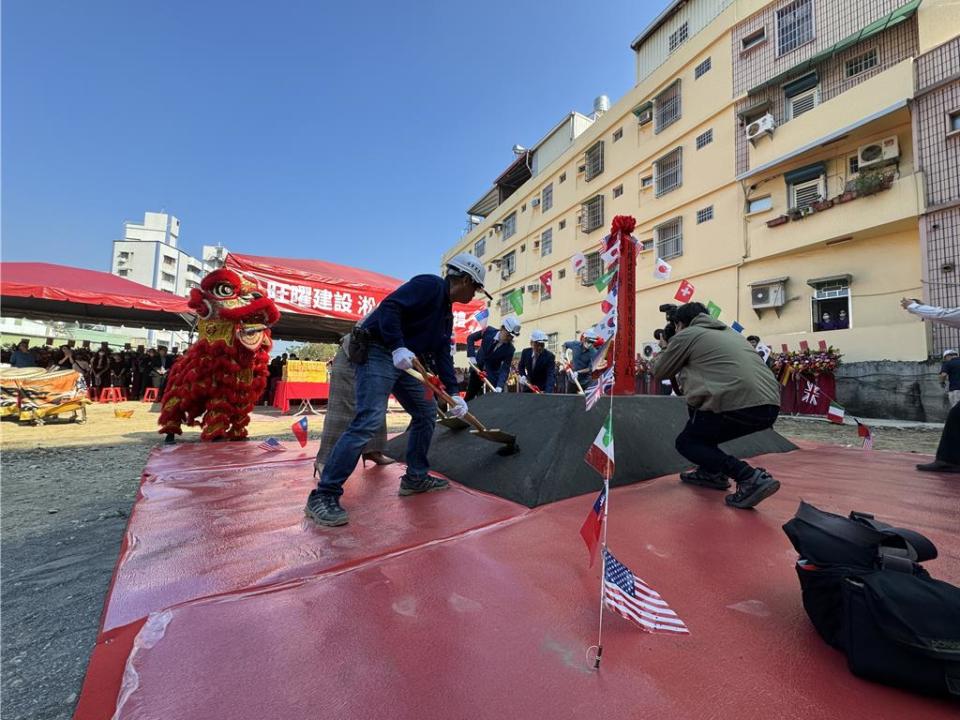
771,281
807,172
642,108
878,26
813,282
801,84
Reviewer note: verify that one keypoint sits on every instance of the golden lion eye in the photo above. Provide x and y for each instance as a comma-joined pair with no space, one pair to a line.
223,290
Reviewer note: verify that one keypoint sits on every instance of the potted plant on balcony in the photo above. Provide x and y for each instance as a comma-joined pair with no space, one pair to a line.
848,194
822,204
778,221
869,182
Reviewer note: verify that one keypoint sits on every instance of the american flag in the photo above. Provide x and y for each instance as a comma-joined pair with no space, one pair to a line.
629,596
271,445
601,388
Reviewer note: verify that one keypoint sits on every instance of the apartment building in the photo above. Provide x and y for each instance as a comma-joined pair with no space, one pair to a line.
148,254
768,154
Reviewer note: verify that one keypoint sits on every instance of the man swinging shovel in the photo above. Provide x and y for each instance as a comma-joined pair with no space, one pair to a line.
492,359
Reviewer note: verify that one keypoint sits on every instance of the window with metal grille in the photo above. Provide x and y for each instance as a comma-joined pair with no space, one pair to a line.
705,138
668,172
702,69
509,225
618,191
862,63
753,39
804,102
670,239
592,270
546,198
591,214
167,277
546,242
617,134
505,307
679,36
667,106
594,161
508,266
794,25
804,194
832,298
553,340
853,164
646,182
480,247
704,214
646,245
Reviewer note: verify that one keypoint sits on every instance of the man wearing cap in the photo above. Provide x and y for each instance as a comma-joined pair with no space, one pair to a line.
493,358
947,459
538,365
581,354
414,320
950,376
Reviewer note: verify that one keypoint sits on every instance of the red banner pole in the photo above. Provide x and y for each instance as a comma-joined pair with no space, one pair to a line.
625,350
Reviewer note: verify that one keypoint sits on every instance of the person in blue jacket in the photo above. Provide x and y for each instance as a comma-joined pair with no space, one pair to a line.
494,356
538,366
414,320
581,354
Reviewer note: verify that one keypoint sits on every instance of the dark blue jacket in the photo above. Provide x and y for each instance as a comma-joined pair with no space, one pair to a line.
418,315
544,373
494,362
582,357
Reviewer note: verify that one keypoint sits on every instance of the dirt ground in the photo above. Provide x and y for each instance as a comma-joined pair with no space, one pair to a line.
65,493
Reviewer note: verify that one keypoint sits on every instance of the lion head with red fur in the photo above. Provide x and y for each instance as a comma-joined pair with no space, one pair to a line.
228,295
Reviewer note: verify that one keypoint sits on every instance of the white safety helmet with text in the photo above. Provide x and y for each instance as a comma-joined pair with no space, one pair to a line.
511,325
469,265
538,336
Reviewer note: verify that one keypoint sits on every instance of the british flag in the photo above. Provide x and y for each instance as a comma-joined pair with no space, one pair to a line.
603,386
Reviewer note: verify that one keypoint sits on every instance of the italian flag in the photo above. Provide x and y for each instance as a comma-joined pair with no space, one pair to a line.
601,452
835,413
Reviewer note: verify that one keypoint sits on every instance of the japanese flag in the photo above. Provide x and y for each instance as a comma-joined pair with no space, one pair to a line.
662,270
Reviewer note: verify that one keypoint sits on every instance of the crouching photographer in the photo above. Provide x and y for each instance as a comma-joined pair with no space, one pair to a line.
730,394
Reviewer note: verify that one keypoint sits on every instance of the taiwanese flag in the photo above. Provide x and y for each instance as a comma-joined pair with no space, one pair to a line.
300,431
864,432
590,530
684,292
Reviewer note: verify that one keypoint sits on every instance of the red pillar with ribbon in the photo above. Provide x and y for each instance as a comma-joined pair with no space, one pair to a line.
625,344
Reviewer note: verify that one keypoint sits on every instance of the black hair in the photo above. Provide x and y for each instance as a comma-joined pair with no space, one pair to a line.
751,338
686,313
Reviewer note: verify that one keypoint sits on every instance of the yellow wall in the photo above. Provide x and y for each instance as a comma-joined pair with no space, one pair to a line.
937,21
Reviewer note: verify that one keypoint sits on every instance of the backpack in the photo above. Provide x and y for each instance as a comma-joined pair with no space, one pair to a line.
867,595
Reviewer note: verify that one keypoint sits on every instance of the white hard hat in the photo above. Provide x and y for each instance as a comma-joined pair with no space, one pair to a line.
469,264
949,352
538,336
511,325
590,334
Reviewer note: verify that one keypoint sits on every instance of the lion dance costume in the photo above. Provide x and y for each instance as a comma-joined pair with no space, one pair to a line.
223,374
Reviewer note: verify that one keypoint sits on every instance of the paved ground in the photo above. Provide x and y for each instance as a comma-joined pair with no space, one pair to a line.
65,495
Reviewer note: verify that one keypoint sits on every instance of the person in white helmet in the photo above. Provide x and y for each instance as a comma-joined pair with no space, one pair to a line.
415,320
581,355
538,366
493,358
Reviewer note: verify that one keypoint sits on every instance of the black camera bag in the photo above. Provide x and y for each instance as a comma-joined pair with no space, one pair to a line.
866,594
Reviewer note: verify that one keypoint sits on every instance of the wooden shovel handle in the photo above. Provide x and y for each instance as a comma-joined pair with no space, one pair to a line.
423,375
483,376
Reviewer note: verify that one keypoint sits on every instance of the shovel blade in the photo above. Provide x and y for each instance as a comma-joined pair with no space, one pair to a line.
453,423
495,435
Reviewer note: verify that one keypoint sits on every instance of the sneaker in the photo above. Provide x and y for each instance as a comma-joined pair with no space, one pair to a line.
752,491
939,466
704,478
413,486
325,509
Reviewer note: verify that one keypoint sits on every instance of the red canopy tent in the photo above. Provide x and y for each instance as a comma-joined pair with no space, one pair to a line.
44,291
320,301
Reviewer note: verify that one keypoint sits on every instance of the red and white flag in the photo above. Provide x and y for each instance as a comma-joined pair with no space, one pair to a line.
864,432
600,454
590,530
547,281
610,302
835,413
300,431
630,597
685,292
611,256
579,261
662,270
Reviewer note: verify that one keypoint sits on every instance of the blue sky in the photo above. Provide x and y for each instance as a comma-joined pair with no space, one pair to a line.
357,134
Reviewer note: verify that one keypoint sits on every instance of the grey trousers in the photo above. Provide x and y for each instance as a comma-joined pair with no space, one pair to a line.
341,408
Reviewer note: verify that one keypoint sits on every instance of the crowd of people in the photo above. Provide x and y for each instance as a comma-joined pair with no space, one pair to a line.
133,371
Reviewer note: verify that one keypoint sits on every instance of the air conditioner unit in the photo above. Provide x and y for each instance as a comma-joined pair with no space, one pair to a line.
879,152
767,296
535,202
650,349
645,117
765,125
533,287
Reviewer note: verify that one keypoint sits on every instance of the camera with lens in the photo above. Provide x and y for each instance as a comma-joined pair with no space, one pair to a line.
670,329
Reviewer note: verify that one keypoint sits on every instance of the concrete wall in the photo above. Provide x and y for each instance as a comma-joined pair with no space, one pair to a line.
901,390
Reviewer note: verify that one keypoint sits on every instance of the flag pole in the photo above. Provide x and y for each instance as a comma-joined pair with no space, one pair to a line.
603,544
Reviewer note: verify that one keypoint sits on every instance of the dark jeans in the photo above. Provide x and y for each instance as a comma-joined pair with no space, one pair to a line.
949,448
375,380
705,430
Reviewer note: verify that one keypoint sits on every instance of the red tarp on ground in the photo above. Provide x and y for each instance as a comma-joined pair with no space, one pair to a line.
321,301
464,605
48,291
